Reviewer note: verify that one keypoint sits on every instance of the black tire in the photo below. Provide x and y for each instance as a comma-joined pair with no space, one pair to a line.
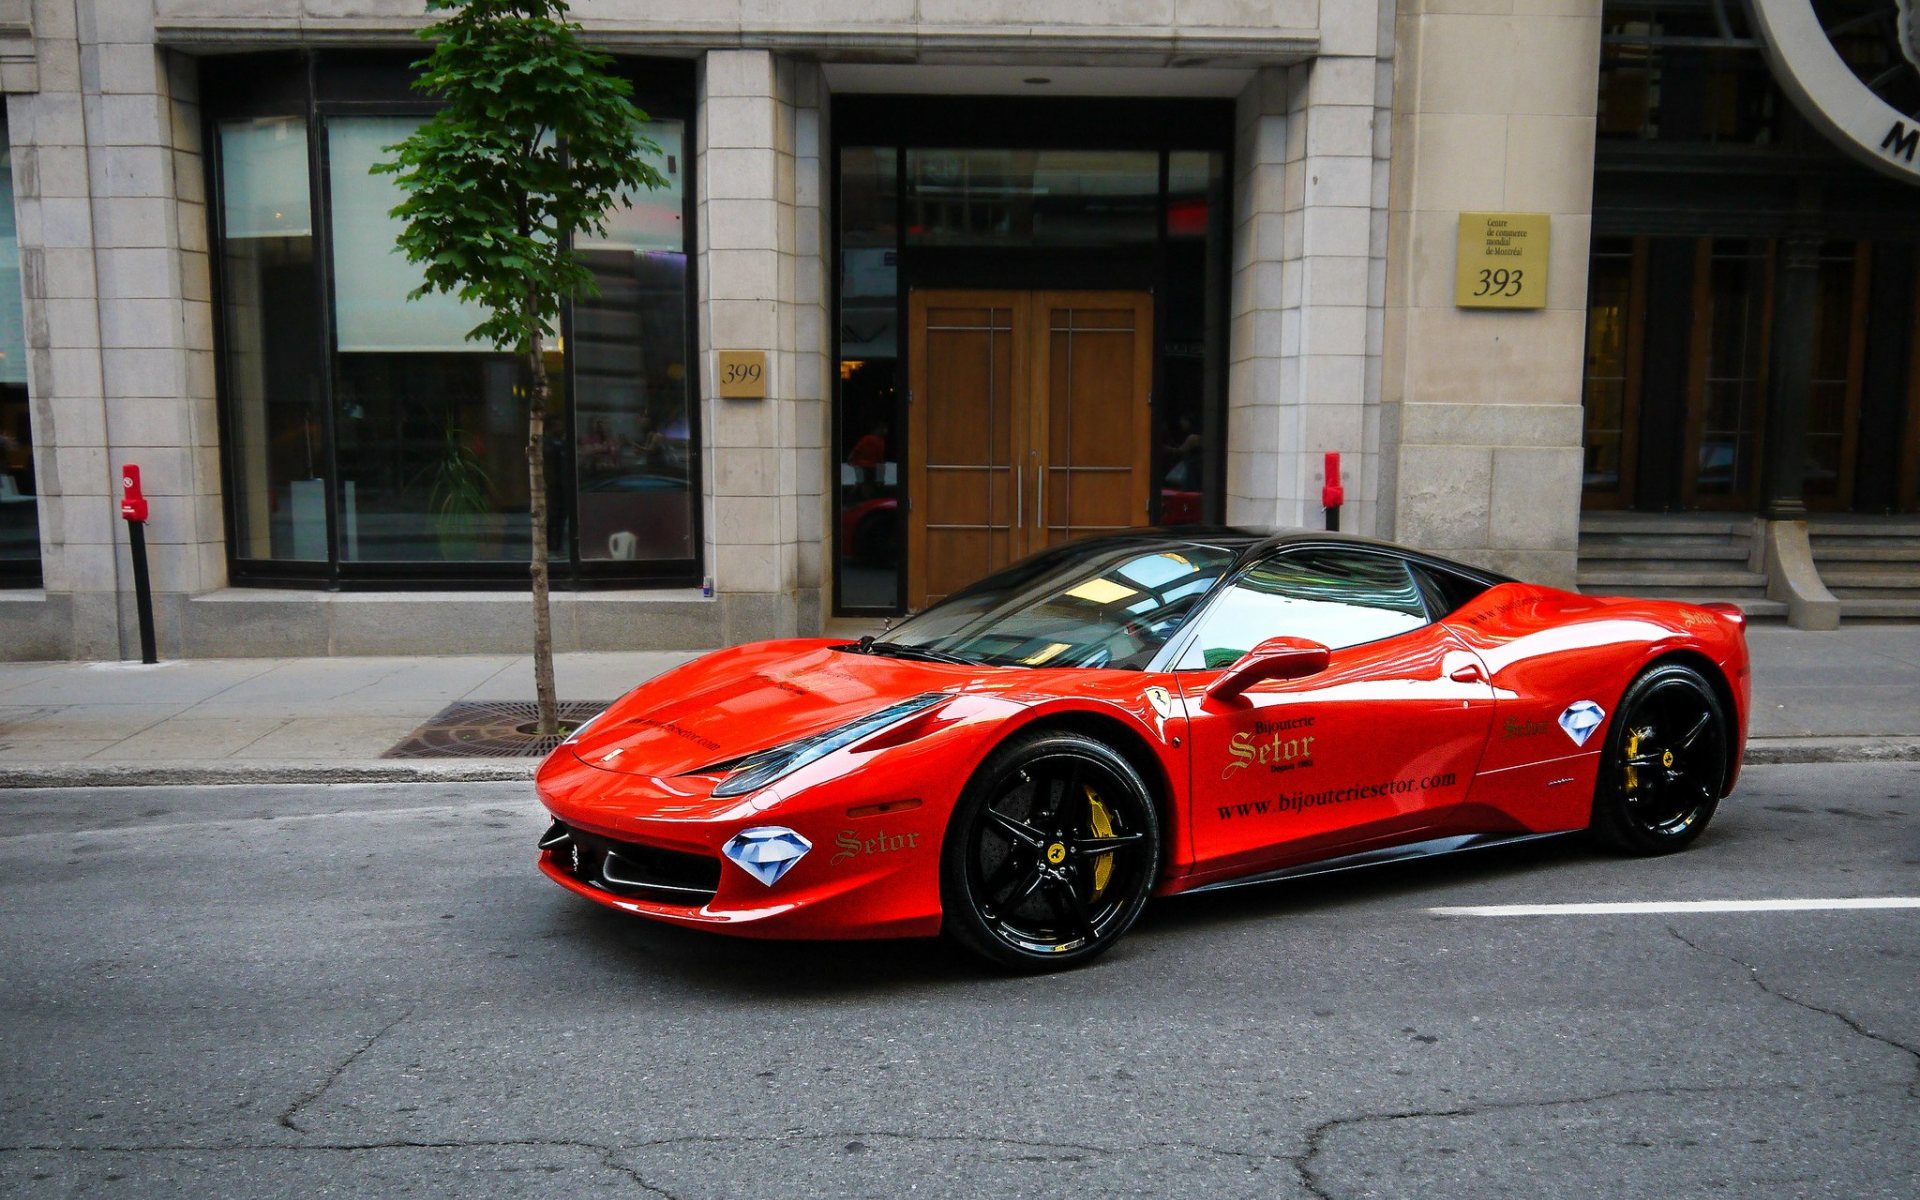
1051,853
1665,762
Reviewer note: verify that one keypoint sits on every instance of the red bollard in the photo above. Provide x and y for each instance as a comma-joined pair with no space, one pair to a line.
1332,495
133,506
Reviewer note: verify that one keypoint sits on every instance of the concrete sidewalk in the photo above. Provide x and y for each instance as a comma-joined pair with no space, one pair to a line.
1848,695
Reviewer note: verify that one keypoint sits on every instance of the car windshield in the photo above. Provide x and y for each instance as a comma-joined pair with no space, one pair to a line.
1087,606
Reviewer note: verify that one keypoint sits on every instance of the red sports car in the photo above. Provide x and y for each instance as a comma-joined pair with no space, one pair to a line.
1025,763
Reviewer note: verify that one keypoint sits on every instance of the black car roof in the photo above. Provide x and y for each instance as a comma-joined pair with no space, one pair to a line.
1249,542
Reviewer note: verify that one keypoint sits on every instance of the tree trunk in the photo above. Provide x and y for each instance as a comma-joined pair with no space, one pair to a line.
537,504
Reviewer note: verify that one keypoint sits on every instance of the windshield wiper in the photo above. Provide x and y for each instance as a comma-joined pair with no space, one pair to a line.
868,645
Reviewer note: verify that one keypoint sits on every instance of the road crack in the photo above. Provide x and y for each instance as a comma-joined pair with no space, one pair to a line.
1753,977
286,1118
1303,1163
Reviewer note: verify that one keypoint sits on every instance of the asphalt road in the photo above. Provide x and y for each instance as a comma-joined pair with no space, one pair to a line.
369,991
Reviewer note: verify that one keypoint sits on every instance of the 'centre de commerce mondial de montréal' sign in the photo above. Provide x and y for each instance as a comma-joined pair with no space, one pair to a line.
1827,91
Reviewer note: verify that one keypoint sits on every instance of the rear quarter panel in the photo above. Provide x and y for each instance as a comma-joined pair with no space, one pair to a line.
1547,649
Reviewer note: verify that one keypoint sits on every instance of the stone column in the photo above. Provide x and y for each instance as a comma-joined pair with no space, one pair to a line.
763,287
1308,243
1480,409
119,320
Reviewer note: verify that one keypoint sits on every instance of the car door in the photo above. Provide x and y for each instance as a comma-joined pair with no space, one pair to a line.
1374,750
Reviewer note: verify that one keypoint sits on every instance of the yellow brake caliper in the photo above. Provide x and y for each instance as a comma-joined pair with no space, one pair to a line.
1633,752
1102,824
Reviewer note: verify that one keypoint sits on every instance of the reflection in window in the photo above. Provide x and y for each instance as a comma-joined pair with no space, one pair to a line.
1731,406
984,197
1334,597
1839,352
1070,608
277,440
1195,246
631,421
868,538
1670,71
431,427
330,368
1604,394
19,503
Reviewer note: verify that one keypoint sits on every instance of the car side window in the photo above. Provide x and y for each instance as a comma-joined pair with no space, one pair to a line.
1333,596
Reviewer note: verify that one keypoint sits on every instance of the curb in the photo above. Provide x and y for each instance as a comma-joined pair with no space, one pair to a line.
1775,751
1761,752
85,774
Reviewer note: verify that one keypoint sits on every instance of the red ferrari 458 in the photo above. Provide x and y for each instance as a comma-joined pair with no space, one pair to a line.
1026,762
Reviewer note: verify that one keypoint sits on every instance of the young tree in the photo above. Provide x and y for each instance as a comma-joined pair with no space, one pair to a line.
535,141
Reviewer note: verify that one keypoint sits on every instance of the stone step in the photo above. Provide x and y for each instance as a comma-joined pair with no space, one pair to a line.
1867,549
1662,523
1637,579
1864,527
1664,549
1837,578
1868,608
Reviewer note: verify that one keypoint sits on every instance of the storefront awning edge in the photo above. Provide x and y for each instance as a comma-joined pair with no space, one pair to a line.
1151,46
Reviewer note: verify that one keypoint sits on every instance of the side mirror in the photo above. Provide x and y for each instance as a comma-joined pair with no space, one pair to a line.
1275,658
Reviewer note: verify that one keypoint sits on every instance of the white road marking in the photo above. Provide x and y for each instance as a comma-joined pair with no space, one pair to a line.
1672,906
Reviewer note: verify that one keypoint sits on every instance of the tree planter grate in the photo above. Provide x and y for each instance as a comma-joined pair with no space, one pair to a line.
490,729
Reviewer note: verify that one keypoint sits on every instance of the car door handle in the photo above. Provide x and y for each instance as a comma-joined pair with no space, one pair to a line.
1471,673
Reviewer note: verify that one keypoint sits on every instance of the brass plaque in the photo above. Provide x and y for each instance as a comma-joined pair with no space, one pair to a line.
1503,260
741,374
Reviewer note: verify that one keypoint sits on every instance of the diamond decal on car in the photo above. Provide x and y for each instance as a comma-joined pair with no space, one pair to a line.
766,852
1581,719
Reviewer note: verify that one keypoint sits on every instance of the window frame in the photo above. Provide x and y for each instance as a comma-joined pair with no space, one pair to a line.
1417,566
318,85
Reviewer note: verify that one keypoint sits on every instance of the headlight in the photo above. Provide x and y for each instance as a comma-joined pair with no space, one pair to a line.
759,769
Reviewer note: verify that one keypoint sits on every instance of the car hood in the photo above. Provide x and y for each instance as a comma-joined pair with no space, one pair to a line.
735,702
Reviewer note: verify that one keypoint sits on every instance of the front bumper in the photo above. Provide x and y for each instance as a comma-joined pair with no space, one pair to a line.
868,874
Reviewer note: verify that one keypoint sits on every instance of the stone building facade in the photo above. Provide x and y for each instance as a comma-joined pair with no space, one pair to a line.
1277,184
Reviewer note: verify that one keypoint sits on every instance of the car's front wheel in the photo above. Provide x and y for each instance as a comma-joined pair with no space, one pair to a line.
1665,762
1052,852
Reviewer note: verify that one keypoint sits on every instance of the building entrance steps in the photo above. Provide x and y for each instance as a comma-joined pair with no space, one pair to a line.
1870,563
1694,557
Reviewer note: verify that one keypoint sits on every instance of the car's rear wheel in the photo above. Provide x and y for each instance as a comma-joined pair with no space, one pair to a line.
1665,762
1052,852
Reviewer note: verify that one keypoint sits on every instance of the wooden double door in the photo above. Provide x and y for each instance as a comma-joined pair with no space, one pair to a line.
1028,424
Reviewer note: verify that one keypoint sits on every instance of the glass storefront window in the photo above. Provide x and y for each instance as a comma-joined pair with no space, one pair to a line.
984,197
869,535
276,439
1670,70
1196,208
1608,377
431,427
19,503
1733,398
1839,351
367,438
632,416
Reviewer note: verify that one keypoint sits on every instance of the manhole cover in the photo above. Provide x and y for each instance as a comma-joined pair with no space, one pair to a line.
490,729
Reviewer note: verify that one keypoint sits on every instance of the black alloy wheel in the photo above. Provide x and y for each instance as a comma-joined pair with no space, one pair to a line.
1665,763
1052,852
